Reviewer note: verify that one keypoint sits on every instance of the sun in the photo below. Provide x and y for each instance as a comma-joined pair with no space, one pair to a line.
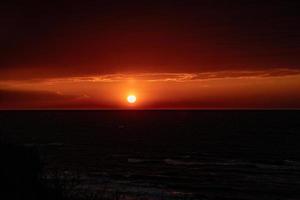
131,99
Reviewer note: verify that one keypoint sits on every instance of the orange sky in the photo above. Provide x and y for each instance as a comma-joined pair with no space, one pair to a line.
171,54
277,88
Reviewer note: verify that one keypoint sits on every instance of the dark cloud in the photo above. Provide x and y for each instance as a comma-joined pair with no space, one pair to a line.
31,99
76,38
27,99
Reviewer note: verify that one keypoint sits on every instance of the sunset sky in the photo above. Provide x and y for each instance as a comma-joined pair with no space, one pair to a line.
170,54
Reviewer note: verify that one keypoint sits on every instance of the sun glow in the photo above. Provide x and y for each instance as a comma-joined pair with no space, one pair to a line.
131,99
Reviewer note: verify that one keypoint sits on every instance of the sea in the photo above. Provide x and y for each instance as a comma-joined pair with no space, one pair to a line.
167,154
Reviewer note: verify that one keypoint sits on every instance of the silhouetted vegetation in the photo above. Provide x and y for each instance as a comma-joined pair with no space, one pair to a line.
23,177
20,172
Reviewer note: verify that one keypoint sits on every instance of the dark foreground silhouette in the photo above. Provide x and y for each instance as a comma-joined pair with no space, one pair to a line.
57,155
20,173
23,178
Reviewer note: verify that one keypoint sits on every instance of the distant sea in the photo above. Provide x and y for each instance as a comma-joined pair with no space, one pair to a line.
175,154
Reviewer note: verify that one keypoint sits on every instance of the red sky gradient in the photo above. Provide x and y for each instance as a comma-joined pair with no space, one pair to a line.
170,54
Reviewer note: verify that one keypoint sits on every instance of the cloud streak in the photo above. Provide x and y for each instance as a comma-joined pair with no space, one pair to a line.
241,88
162,77
181,77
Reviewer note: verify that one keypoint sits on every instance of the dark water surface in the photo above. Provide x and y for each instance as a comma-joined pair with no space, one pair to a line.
199,154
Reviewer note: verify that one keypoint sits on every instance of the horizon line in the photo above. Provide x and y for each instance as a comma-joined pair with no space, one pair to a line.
150,109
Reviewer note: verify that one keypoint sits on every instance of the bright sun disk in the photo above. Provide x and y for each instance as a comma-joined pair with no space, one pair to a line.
131,99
